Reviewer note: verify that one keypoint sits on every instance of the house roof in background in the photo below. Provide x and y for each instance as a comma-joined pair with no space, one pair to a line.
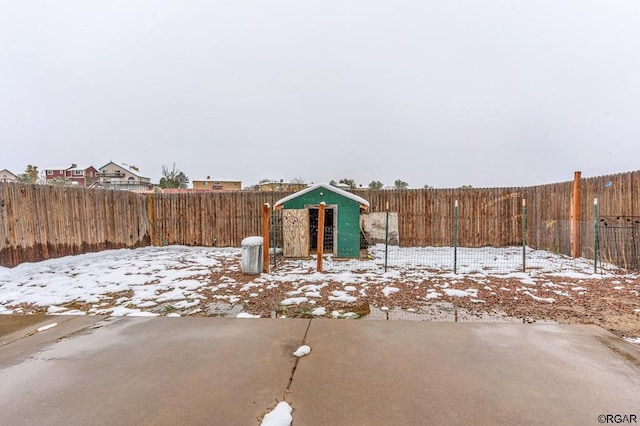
127,167
216,180
5,171
81,167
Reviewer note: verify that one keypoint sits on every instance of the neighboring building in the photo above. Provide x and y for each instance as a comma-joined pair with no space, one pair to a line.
7,176
281,186
122,176
209,184
341,221
54,173
74,175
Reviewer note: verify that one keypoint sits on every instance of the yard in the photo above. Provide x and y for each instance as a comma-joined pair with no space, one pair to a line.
199,281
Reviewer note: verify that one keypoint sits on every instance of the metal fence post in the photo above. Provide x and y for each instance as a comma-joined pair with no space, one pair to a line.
455,237
595,235
386,237
524,235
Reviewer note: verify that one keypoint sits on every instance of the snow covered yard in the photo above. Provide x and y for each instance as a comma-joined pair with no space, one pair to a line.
179,281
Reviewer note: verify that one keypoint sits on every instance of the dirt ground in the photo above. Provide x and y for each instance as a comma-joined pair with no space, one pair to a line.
615,310
612,302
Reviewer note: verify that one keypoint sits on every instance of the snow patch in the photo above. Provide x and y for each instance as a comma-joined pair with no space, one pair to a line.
342,296
294,301
318,312
279,416
389,290
540,299
302,351
47,327
456,293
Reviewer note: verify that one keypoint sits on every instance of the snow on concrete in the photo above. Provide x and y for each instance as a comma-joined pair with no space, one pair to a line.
302,351
47,327
279,416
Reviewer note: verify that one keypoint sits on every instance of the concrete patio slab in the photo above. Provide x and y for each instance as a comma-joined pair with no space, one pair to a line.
160,371
168,371
19,335
408,373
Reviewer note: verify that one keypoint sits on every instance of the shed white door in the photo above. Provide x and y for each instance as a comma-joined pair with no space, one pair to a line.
295,223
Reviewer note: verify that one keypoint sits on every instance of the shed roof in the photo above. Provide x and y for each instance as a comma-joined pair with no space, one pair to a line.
328,187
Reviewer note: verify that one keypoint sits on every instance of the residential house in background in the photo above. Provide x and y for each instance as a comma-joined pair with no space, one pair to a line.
281,186
54,174
209,184
74,175
7,176
122,176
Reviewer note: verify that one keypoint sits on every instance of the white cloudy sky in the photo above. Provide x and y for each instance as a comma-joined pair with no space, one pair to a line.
445,93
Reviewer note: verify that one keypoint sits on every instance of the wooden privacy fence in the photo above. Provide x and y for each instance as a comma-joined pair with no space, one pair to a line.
41,222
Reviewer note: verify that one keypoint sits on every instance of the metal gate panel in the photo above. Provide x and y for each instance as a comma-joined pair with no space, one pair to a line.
619,241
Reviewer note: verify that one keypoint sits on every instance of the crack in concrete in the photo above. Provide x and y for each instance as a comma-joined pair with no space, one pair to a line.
293,372
295,365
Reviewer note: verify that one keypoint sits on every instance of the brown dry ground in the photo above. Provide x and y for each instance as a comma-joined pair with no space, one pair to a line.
615,310
612,303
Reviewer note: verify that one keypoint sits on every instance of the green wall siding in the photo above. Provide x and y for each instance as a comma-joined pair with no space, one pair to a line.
348,226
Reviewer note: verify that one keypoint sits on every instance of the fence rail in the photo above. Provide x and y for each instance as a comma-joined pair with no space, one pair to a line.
41,222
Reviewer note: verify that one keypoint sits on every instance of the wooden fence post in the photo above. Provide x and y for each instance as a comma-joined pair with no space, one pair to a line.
266,210
320,244
575,220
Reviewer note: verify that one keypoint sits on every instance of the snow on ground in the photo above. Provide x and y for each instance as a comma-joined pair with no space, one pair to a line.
179,281
485,260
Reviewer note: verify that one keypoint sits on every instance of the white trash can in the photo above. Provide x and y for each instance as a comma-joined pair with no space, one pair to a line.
252,255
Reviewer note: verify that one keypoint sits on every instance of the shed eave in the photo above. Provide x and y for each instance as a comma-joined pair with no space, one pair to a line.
363,203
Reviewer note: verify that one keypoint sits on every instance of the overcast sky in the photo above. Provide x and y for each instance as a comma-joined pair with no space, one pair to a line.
444,93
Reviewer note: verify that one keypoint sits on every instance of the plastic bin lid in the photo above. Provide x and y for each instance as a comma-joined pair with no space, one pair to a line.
252,241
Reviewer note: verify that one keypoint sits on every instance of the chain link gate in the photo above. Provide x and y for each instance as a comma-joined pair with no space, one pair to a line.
619,242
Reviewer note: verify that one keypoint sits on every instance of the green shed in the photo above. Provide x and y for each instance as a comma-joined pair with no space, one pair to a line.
341,221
